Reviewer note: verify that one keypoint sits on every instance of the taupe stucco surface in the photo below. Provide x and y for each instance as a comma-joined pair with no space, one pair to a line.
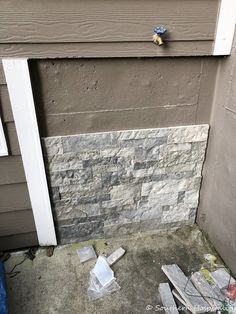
217,211
93,95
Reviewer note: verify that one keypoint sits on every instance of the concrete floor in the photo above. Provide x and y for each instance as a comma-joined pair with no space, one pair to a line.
58,284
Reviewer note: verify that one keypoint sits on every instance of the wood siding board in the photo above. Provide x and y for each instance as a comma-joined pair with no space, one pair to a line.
14,197
106,50
2,76
17,228
225,28
23,107
67,124
12,139
18,241
105,21
5,104
16,222
12,171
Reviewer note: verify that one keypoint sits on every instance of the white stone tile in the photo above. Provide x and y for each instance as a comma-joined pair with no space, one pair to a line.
187,134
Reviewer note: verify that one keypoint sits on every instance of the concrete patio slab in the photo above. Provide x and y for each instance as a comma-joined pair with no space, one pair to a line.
58,284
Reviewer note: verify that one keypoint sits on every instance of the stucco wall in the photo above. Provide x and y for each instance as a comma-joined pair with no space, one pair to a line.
217,211
76,98
93,95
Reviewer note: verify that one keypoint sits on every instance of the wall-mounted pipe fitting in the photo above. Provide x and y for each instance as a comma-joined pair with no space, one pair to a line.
159,31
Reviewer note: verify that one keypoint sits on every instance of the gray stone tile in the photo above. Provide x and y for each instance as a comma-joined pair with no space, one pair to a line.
137,179
86,142
81,231
110,179
181,196
145,164
100,161
188,134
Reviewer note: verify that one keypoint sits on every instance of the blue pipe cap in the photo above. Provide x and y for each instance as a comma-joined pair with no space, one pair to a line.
160,30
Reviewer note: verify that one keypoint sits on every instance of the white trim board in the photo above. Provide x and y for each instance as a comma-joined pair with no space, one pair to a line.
3,144
225,28
22,102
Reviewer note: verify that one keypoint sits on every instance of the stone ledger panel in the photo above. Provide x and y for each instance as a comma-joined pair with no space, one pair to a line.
119,182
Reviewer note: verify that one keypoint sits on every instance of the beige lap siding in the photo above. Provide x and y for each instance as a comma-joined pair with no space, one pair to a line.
106,28
17,228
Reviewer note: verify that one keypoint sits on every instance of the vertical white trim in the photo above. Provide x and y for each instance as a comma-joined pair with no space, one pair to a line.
3,144
22,102
225,28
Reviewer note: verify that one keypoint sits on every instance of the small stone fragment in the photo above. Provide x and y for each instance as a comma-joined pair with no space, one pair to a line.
115,256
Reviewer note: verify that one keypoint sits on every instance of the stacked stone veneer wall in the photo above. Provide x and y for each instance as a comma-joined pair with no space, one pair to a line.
105,184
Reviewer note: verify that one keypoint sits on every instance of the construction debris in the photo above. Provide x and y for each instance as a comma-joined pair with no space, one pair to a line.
179,298
102,280
213,294
231,292
193,299
86,254
207,275
211,259
197,293
115,256
103,272
222,278
167,299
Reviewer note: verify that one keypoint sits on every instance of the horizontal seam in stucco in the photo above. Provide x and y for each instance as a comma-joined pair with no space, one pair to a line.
120,110
231,110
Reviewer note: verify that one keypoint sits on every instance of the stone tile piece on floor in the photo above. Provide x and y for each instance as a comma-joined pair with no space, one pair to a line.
186,289
214,295
59,284
167,298
222,278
